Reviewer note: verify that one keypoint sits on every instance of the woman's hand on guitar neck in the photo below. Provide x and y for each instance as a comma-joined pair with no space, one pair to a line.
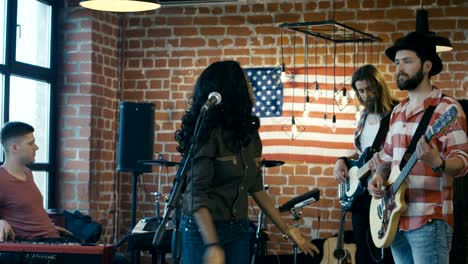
375,186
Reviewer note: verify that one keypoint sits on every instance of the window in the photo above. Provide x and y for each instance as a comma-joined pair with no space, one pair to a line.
2,30
33,109
27,80
33,33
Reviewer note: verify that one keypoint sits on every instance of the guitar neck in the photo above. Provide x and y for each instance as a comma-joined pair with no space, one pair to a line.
363,170
408,166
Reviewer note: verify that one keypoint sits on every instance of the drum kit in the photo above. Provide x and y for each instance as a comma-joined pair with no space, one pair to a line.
165,163
161,163
261,237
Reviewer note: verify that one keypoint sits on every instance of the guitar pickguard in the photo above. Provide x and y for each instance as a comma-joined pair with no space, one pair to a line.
385,210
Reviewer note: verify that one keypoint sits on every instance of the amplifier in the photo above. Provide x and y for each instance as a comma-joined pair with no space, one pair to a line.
19,253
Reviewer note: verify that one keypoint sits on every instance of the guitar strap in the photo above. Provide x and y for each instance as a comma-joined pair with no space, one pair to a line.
382,133
417,135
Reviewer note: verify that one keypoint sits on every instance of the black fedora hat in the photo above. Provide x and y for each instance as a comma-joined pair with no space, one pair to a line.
420,43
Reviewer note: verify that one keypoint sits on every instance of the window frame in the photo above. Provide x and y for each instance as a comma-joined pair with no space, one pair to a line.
34,72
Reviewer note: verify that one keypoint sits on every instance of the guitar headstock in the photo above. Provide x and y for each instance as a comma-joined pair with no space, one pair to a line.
444,120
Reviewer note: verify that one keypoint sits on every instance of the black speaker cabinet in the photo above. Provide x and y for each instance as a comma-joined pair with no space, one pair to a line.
136,136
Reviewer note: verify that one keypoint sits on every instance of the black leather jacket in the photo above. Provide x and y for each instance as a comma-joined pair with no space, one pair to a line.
220,180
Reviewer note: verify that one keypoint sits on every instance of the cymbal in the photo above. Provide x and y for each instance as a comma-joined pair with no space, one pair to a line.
160,162
271,163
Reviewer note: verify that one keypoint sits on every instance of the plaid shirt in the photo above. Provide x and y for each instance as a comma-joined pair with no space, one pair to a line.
429,194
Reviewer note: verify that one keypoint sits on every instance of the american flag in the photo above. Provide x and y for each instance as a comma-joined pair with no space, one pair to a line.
278,101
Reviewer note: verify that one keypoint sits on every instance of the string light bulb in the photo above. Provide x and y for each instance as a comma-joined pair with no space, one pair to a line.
306,112
325,120
344,99
293,128
333,125
316,91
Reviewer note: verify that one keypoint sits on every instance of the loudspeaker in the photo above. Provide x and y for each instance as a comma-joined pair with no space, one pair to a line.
136,136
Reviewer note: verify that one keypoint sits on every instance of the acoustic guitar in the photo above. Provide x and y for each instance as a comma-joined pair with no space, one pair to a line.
342,253
385,212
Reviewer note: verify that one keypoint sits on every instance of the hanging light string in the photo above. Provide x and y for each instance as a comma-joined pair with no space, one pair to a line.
333,13
294,130
354,52
317,92
378,50
357,113
282,52
306,64
325,116
363,53
294,71
334,75
344,99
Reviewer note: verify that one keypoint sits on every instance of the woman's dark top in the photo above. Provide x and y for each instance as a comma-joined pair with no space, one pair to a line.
220,180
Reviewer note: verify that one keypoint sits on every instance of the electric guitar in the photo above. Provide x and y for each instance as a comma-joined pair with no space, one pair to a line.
343,253
353,186
385,212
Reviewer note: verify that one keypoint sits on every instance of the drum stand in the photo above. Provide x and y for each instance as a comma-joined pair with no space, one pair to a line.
261,237
157,195
157,252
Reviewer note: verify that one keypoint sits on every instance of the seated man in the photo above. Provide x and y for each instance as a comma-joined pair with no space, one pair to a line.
22,216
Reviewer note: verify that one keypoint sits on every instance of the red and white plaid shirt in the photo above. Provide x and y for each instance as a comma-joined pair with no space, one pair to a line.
429,194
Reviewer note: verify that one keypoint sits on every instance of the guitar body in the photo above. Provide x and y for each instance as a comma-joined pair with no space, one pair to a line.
384,214
354,186
329,249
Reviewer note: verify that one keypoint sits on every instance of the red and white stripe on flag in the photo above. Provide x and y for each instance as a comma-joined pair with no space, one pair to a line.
317,143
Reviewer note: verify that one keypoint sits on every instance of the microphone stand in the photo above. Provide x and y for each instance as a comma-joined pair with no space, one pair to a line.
297,216
177,189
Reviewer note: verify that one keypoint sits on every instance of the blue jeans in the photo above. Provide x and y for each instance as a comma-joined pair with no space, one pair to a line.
430,243
233,236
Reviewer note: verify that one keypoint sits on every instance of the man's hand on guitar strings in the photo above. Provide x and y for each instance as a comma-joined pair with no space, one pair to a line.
375,186
340,170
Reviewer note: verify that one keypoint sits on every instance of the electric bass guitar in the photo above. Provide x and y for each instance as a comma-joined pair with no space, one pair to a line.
343,253
385,212
353,186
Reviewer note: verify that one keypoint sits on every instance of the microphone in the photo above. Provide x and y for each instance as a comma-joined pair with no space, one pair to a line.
301,200
214,98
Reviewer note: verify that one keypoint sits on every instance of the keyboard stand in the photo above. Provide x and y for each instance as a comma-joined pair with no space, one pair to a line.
142,237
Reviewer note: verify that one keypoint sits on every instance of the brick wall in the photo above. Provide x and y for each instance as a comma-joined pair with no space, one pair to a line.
163,53
88,114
